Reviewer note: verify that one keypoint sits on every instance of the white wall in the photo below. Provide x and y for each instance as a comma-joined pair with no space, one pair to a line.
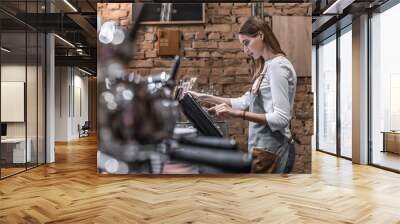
61,103
33,126
71,94
14,73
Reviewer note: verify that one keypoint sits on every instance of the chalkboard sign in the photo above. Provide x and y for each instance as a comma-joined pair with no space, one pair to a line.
173,13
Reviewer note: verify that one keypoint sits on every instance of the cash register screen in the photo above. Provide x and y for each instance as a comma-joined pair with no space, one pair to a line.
199,117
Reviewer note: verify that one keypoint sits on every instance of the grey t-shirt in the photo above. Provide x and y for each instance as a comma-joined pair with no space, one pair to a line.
278,89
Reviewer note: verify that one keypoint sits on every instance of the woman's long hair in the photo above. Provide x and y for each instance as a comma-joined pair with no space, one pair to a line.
250,28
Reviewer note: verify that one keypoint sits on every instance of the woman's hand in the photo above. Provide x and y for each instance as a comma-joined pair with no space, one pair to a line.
225,110
209,98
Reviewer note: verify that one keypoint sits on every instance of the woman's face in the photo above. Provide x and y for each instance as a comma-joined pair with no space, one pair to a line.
252,46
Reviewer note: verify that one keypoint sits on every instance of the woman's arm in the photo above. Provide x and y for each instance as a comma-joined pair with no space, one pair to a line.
280,116
210,98
225,110
255,117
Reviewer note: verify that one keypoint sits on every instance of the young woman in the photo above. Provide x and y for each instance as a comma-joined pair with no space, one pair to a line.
268,104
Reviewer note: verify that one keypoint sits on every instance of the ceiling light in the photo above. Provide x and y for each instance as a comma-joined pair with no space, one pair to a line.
64,40
70,5
84,71
337,7
5,50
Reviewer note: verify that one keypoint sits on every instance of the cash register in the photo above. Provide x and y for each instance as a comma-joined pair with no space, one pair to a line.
199,117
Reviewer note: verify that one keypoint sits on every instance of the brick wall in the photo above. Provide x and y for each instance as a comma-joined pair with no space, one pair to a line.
214,55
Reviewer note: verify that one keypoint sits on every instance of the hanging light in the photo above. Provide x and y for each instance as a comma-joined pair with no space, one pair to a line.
65,41
70,5
5,50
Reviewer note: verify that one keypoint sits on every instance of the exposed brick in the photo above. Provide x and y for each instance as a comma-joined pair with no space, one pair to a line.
188,36
226,5
194,28
235,28
244,11
124,22
200,35
181,73
124,6
217,63
149,36
156,70
242,19
234,62
229,71
223,19
301,88
150,54
187,44
216,54
243,71
217,71
139,55
146,45
202,80
205,71
242,140
229,55
304,140
100,6
204,54
243,78
229,45
224,11
236,131
214,36
222,79
142,63
149,29
241,55
204,45
190,53
240,4
218,28
236,89
113,6
118,14
163,63
212,5
192,71
193,63
228,36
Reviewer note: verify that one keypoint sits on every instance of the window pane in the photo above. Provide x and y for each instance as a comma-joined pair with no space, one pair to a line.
31,96
385,88
15,150
41,98
345,94
327,97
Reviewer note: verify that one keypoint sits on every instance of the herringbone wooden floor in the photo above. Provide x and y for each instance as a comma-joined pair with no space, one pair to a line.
70,191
